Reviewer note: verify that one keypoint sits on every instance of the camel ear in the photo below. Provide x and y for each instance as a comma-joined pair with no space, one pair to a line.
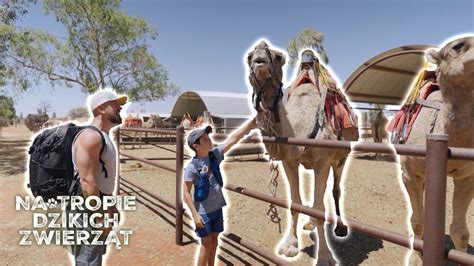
249,58
278,58
433,56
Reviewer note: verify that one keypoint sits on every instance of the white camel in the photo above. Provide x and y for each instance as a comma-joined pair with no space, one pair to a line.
455,77
280,115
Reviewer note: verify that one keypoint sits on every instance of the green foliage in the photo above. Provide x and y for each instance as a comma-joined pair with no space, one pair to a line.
103,47
308,38
10,12
78,113
7,111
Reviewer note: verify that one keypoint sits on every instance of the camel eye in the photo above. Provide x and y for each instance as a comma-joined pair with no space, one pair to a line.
458,46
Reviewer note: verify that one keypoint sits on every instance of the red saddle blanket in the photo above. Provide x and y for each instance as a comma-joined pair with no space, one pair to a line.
401,124
339,113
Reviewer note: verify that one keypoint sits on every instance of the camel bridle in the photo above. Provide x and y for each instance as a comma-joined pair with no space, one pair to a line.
268,85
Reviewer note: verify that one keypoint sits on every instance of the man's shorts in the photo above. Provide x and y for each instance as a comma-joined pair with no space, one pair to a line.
213,223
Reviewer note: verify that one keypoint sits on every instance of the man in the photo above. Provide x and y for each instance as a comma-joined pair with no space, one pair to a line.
96,164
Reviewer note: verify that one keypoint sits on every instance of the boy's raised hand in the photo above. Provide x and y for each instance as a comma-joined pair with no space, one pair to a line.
239,133
198,221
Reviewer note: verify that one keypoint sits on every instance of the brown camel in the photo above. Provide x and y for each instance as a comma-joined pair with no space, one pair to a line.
378,129
455,77
295,117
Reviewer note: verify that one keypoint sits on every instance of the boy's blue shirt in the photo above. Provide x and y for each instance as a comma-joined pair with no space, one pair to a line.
215,199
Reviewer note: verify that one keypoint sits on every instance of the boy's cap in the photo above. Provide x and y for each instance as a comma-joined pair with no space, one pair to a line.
196,134
104,96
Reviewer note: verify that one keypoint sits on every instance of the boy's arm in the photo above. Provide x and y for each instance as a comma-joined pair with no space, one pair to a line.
189,201
238,134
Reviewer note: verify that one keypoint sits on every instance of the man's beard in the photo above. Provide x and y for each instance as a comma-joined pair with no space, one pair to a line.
115,118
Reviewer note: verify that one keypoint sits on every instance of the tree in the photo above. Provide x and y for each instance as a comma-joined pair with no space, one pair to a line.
103,47
78,113
10,12
308,38
44,107
7,111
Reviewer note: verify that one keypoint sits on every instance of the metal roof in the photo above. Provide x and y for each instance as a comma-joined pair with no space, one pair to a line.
387,77
220,104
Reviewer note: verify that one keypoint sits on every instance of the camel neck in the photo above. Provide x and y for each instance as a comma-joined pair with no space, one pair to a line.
457,114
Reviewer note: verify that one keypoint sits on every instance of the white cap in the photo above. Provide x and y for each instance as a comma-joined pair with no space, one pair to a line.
104,96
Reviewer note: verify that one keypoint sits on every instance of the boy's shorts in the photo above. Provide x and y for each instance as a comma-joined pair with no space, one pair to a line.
213,223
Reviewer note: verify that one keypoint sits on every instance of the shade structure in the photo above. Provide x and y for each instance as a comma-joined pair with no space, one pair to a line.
387,77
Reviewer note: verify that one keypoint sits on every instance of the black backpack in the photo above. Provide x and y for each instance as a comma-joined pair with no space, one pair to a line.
50,167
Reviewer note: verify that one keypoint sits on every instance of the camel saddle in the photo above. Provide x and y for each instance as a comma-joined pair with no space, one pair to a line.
339,115
401,124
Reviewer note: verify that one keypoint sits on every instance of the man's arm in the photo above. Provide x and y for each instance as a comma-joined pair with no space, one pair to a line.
88,145
239,133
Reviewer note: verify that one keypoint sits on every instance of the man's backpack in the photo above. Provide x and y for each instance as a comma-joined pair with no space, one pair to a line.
51,169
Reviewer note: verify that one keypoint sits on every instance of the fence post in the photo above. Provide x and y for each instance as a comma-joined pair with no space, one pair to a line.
179,184
435,199
117,142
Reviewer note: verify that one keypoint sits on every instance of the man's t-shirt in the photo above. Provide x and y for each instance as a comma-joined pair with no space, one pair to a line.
215,200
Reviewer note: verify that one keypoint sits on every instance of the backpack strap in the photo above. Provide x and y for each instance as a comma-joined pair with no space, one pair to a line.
214,165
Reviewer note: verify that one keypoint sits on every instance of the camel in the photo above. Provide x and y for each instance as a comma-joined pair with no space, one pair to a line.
134,122
378,129
187,121
455,78
279,115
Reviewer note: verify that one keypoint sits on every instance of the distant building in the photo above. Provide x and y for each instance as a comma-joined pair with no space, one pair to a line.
226,109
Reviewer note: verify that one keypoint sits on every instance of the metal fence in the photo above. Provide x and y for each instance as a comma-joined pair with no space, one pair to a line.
436,152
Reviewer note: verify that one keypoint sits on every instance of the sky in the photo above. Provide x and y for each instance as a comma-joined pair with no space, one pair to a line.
203,44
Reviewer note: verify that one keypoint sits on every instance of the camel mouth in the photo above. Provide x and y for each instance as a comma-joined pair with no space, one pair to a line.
260,61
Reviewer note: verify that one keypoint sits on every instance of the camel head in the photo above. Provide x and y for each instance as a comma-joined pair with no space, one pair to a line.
455,63
265,71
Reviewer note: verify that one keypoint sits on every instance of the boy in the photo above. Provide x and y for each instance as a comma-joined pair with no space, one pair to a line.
203,173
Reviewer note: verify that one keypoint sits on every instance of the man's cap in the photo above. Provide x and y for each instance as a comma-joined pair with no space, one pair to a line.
103,96
196,134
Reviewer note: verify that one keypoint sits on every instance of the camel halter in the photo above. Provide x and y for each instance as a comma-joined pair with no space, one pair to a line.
257,97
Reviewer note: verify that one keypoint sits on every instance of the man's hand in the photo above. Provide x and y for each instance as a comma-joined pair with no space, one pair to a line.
112,210
106,228
198,221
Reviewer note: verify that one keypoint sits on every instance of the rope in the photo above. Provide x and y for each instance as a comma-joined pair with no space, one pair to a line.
415,93
323,91
267,122
272,212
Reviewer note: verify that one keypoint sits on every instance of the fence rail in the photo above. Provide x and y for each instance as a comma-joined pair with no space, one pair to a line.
436,152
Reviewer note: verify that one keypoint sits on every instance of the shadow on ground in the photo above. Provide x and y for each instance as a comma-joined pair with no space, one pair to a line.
168,215
13,156
352,250
372,157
